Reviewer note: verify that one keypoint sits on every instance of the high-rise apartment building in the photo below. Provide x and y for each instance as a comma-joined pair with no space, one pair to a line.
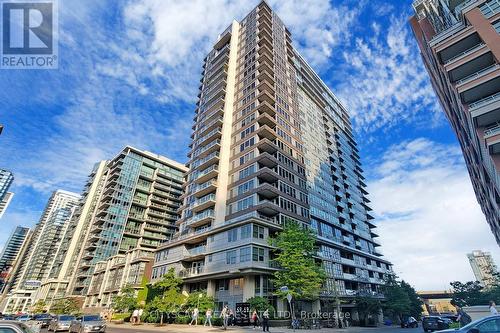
460,46
10,252
271,143
6,179
133,205
483,267
36,262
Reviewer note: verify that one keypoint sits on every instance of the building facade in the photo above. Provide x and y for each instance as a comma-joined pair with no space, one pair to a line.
6,179
134,206
271,143
35,265
483,267
132,269
10,253
460,46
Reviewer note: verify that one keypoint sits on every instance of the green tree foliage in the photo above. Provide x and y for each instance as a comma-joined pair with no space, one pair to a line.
472,293
367,307
125,301
260,304
39,307
65,306
203,303
400,300
167,298
299,271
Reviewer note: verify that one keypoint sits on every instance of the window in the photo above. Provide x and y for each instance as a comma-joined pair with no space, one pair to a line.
231,257
258,231
257,254
489,326
244,203
232,235
245,231
247,144
245,187
245,254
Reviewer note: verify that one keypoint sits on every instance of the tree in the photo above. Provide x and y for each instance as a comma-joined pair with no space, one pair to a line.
416,303
260,304
126,300
65,306
39,307
367,307
468,293
397,302
203,303
299,271
168,298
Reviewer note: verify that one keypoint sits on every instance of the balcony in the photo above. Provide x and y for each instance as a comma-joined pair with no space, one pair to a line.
191,272
492,138
267,175
266,104
206,161
207,174
458,48
266,119
205,188
265,145
267,207
465,54
267,191
265,75
204,203
477,75
265,132
483,90
267,160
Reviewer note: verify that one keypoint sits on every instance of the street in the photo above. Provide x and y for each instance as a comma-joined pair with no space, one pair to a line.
127,328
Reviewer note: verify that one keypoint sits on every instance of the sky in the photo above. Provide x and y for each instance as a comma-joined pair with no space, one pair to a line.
129,74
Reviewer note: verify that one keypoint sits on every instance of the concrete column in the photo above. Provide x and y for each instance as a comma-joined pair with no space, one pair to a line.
249,287
485,30
316,306
211,288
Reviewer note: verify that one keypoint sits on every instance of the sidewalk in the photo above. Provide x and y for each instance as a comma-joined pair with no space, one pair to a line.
236,329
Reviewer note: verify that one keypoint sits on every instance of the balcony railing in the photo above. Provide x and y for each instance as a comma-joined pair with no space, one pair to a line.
484,101
466,52
492,131
477,74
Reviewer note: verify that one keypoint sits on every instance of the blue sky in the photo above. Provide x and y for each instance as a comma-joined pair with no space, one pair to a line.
129,74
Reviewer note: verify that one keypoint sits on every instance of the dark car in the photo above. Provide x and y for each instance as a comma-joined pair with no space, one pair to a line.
88,323
43,318
435,323
61,323
490,324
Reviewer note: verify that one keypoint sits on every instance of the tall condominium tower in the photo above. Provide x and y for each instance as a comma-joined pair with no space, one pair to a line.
271,143
6,179
483,267
132,204
35,264
71,249
460,45
10,252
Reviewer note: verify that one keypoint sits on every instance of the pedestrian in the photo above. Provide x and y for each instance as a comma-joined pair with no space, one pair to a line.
194,318
463,318
255,319
265,321
139,315
231,317
493,308
225,317
135,314
208,317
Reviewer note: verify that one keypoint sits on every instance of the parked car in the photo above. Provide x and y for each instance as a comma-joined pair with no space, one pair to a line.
88,323
42,318
409,322
61,323
435,323
15,327
24,318
8,317
490,324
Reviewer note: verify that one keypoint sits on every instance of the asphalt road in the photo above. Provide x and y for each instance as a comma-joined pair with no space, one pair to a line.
200,329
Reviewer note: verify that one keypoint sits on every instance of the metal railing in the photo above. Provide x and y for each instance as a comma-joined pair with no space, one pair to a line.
492,131
464,53
484,101
477,74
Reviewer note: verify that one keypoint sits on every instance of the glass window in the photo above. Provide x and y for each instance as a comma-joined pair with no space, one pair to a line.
258,231
232,235
257,254
245,231
245,254
231,257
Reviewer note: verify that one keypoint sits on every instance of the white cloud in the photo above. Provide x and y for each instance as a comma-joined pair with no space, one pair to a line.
385,82
427,213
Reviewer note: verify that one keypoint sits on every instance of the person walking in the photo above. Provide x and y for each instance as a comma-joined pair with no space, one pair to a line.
135,315
265,321
255,319
231,318
194,318
493,308
208,317
225,317
463,318
139,315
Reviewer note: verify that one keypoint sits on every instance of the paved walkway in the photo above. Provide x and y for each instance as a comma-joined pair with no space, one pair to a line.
128,328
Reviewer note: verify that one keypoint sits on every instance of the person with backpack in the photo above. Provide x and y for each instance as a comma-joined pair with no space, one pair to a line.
463,318
255,319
